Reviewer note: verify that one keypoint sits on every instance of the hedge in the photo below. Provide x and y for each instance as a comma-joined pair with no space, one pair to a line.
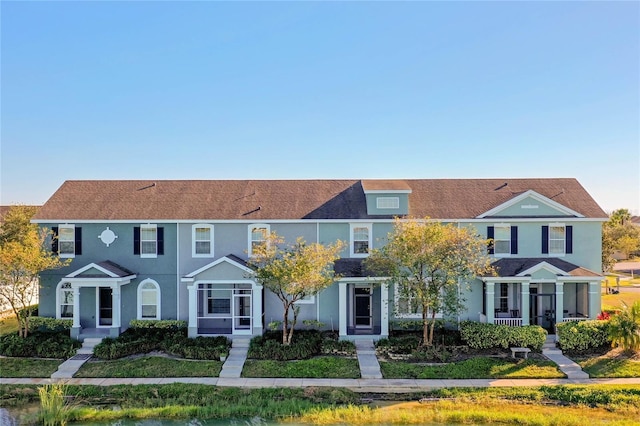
39,345
45,324
158,324
485,336
583,335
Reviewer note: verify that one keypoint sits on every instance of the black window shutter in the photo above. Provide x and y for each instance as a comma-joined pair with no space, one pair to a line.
78,238
545,239
136,240
54,239
160,240
569,241
514,240
490,235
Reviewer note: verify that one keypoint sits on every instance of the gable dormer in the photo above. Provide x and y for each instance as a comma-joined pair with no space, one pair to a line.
386,197
530,204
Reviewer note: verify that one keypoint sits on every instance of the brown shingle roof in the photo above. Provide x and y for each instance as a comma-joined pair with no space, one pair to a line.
256,200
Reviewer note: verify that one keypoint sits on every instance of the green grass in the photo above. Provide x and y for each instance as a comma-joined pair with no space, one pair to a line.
8,325
614,301
150,366
611,366
329,367
28,367
476,368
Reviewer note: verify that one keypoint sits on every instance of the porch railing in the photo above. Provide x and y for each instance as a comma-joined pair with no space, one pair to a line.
512,322
574,319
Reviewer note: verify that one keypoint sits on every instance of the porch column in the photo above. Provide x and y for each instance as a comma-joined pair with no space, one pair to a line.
525,303
384,307
193,310
342,308
595,295
491,302
256,303
115,303
76,306
559,301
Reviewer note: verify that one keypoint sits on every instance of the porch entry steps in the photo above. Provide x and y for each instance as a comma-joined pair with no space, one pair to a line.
568,367
369,365
232,367
67,369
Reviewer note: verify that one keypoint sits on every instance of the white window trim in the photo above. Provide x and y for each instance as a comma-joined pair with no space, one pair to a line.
352,228
194,241
495,227
396,314
158,298
564,245
250,228
59,299
309,300
73,241
148,255
388,203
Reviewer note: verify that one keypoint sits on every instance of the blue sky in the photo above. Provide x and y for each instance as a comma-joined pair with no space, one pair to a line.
299,90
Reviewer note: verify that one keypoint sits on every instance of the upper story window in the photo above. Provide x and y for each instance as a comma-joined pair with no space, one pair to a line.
360,239
504,239
149,300
148,240
67,240
202,237
258,235
557,239
388,202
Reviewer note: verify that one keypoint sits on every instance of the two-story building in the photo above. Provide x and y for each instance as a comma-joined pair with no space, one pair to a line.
172,249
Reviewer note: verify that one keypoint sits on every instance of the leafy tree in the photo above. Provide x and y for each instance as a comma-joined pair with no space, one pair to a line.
619,234
294,272
24,253
428,260
624,328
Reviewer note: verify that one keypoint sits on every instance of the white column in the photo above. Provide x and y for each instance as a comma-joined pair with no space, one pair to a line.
256,301
491,302
193,309
595,296
525,303
115,300
76,305
559,301
384,308
342,308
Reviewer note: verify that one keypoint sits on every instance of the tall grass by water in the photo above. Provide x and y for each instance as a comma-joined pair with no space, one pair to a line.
54,410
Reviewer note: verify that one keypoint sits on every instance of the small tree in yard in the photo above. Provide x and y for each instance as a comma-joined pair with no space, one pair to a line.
427,261
293,273
624,328
24,253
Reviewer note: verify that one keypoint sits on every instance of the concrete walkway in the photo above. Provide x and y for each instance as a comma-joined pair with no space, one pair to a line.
371,380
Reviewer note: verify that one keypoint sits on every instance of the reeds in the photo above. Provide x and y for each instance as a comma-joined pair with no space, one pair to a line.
54,410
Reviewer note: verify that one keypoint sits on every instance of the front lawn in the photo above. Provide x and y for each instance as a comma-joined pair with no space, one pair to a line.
150,366
324,367
474,368
28,367
612,364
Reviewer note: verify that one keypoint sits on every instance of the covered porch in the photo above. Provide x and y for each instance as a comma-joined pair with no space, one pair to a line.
540,292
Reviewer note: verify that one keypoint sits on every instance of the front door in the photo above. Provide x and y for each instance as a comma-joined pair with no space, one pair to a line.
105,307
242,312
362,305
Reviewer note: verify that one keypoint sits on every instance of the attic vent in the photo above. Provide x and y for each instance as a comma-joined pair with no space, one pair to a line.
388,202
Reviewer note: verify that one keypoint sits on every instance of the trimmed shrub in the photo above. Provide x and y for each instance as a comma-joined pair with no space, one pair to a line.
39,345
49,325
485,336
158,324
583,335
305,344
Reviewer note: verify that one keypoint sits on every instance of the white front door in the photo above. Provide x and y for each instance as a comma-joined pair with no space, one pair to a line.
242,312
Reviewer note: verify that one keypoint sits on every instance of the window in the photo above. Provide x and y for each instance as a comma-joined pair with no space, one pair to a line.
307,300
360,240
202,240
218,302
149,300
148,240
388,202
406,305
65,300
557,239
503,298
67,240
257,236
504,239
